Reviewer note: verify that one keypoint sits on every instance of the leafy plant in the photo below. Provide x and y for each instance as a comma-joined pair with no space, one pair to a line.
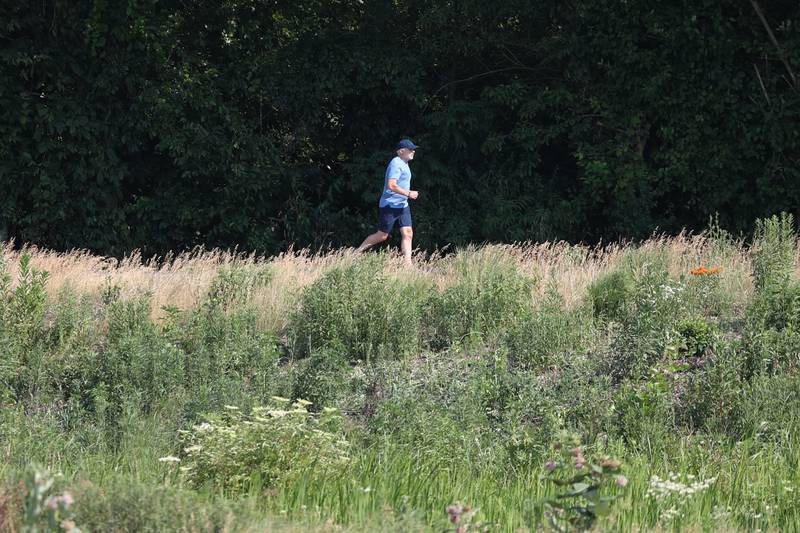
773,250
641,338
589,486
43,511
267,448
695,336
234,285
646,409
321,378
22,310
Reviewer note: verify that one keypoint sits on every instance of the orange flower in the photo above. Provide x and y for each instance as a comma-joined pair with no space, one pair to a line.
703,271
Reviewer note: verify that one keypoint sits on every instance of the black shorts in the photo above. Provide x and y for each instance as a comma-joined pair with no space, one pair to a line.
388,216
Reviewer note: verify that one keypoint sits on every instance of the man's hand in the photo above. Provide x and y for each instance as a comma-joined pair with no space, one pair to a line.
413,194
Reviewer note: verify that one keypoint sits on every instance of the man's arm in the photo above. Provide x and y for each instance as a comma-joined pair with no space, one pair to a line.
392,184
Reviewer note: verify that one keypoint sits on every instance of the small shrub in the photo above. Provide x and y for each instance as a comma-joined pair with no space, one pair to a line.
584,399
227,356
126,505
527,419
137,362
712,392
775,307
694,338
705,294
646,409
487,298
24,305
233,287
610,294
73,324
361,311
270,447
438,404
641,338
773,351
22,312
776,304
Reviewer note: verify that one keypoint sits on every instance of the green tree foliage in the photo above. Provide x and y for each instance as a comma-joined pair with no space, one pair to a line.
162,125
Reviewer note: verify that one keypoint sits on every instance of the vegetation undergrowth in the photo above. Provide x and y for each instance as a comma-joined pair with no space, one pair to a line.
650,387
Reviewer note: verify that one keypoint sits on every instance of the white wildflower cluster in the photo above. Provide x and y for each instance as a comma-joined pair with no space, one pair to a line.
205,427
661,293
669,514
765,511
668,290
661,489
719,513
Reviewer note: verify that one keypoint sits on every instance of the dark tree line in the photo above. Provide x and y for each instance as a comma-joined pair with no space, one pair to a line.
264,123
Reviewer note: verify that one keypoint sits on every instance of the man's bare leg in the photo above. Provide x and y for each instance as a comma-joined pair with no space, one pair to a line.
406,236
376,238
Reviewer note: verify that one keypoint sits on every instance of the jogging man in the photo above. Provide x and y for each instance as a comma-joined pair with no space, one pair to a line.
393,205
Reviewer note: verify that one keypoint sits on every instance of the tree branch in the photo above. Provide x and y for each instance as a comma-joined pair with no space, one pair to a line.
761,82
774,41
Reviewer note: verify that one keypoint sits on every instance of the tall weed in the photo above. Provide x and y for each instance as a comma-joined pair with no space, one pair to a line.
549,334
773,250
641,337
22,310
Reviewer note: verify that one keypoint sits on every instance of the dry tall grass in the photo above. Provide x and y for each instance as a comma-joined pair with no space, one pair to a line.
183,279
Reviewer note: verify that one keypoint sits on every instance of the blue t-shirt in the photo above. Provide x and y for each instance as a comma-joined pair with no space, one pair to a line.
400,171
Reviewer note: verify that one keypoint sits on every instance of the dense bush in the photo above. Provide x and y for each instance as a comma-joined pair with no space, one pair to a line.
227,356
438,407
106,354
772,329
646,410
640,339
711,394
695,337
22,310
487,296
361,311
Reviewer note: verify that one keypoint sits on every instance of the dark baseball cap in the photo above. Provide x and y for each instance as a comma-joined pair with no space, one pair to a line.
406,143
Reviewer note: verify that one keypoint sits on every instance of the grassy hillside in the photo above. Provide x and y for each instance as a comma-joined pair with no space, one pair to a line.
503,388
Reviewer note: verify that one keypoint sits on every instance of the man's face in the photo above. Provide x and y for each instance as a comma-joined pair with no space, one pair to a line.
406,154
